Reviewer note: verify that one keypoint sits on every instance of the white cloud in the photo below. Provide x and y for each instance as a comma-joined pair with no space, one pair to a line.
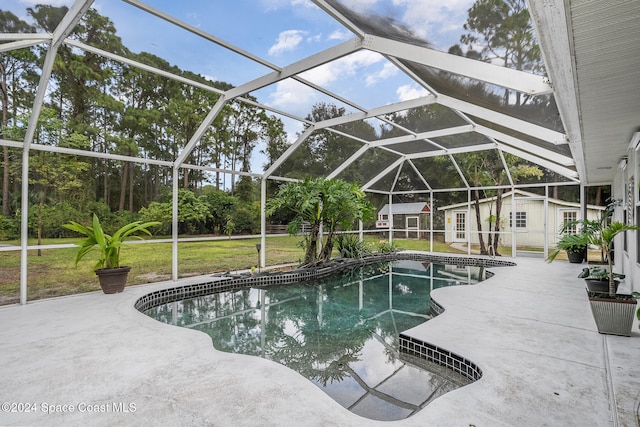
388,70
287,41
430,18
340,35
342,68
293,95
56,3
279,4
362,5
407,92
298,99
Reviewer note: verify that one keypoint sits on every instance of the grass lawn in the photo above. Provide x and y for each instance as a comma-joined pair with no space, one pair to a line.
54,273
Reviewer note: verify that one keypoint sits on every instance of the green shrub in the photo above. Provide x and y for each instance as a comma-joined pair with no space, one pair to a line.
244,220
159,211
193,214
350,246
53,216
221,205
9,228
385,247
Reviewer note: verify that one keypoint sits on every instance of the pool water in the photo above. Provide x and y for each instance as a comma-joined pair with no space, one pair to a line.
340,333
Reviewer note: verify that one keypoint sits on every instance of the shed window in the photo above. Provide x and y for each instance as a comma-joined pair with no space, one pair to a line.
521,220
570,217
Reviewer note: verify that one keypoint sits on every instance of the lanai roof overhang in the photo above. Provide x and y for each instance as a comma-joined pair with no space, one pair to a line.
496,128
588,48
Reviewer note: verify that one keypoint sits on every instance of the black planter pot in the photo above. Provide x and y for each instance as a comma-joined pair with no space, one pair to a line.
600,286
113,280
576,257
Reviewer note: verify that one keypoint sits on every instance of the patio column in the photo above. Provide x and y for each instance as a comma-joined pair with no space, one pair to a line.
583,202
390,219
514,236
431,208
467,219
174,226
68,23
263,223
546,221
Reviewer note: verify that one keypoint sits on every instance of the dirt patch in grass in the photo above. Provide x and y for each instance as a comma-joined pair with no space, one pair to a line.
153,277
6,300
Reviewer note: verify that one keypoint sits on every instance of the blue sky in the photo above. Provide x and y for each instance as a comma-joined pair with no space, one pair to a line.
280,31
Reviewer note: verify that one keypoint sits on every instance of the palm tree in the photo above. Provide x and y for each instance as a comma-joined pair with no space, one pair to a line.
320,202
605,240
344,202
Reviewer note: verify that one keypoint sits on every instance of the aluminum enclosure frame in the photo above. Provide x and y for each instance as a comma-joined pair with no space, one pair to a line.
393,50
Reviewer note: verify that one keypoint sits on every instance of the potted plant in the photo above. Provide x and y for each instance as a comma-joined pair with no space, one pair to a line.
575,245
590,230
111,274
597,278
612,312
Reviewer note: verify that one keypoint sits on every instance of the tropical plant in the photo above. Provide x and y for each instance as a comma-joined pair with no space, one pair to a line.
605,241
350,246
343,203
108,245
570,243
229,226
598,273
385,247
331,203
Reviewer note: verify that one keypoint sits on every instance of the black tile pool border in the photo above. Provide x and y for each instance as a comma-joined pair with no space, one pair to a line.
440,356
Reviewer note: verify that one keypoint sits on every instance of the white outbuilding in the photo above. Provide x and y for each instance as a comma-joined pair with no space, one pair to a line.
522,217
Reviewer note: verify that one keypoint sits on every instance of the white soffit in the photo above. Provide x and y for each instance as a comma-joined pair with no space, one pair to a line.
606,36
590,51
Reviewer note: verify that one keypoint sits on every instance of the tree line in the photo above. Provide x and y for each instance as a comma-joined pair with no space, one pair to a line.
101,105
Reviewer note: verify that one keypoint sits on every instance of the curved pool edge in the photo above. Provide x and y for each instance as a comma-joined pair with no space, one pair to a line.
440,356
225,282
408,345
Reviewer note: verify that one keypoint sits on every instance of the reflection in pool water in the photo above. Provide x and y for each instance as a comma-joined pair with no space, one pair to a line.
341,333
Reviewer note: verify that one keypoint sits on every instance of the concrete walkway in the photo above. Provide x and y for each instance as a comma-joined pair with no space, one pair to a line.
529,328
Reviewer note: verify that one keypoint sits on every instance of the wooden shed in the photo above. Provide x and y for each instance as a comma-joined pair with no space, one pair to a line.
413,218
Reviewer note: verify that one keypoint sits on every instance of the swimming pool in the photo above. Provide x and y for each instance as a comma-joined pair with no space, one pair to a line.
341,332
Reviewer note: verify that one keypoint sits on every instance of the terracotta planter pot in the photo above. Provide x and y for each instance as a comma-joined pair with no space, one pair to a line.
113,280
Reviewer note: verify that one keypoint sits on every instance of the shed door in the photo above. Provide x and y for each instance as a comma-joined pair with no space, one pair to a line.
460,226
412,226
528,227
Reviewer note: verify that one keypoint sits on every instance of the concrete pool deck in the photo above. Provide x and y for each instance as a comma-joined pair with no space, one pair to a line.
529,328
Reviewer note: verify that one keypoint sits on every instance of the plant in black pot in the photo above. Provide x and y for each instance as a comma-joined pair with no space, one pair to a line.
111,275
590,230
597,278
612,312
575,245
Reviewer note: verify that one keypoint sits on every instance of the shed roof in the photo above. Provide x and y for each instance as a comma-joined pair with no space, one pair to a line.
521,193
406,208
